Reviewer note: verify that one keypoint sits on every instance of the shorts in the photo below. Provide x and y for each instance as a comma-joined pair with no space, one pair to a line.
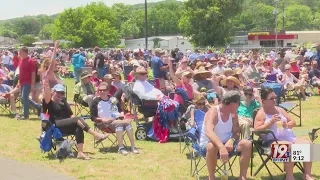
4,100
231,153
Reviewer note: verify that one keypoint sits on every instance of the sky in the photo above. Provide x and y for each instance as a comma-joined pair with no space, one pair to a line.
19,8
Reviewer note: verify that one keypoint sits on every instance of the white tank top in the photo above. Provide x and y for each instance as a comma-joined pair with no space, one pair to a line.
222,129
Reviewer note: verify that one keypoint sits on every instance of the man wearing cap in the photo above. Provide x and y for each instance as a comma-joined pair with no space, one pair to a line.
143,89
158,67
219,135
85,89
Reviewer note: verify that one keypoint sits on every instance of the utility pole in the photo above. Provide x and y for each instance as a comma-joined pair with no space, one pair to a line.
276,24
283,15
146,22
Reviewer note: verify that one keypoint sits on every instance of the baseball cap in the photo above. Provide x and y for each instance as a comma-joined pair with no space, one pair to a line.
59,88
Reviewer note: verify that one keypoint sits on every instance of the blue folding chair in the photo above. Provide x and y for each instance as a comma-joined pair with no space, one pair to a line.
197,154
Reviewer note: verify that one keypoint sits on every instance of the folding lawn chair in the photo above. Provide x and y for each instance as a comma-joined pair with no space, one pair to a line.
126,71
198,155
264,149
111,137
5,107
81,108
290,106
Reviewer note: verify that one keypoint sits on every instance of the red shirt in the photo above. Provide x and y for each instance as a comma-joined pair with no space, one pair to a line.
113,90
15,62
27,67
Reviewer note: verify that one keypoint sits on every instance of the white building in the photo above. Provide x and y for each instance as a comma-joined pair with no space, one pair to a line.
164,42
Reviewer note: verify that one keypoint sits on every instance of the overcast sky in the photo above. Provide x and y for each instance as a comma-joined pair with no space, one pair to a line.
18,8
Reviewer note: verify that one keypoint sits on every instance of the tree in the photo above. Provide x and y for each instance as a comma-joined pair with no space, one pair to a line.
263,17
122,13
209,22
47,31
129,29
298,18
88,26
27,25
27,40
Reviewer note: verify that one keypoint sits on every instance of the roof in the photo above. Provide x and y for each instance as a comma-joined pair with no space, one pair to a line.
302,32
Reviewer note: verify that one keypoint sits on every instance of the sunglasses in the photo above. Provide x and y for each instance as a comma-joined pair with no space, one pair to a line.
272,98
61,93
287,69
189,77
248,94
201,104
103,90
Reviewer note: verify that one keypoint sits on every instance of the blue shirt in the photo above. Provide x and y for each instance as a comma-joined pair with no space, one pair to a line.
156,65
4,88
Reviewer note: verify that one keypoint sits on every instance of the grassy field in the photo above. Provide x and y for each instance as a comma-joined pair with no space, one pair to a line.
18,141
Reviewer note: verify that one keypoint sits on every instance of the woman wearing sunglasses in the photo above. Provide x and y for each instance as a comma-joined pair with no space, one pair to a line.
61,115
280,123
245,110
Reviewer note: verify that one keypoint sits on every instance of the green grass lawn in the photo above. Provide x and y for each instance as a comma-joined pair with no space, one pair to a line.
18,141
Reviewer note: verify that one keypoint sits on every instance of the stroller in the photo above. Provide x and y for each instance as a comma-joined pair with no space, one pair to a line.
148,108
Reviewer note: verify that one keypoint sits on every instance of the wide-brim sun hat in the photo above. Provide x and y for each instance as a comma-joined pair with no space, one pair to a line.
230,78
141,70
201,71
228,70
85,74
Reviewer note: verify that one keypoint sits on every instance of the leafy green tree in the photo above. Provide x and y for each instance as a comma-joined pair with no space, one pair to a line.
298,17
27,40
130,29
27,25
88,26
47,31
263,17
122,13
209,22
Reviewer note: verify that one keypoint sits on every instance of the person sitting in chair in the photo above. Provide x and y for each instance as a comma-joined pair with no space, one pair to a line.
220,135
104,113
6,96
272,118
143,89
61,115
85,89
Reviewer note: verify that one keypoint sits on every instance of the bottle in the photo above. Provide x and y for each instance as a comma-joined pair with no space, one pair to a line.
224,175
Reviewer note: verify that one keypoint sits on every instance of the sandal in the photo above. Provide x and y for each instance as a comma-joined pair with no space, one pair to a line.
102,138
83,158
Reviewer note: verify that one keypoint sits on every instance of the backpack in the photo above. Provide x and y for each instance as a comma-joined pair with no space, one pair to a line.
77,62
65,149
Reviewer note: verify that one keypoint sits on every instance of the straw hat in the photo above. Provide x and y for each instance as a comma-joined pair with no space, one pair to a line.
244,59
199,64
201,71
231,78
228,70
238,71
85,74
198,97
292,61
208,65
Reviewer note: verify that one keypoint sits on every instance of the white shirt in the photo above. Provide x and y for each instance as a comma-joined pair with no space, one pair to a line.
218,70
276,71
6,59
145,90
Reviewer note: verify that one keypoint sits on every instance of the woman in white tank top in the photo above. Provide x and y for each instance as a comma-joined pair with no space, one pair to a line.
279,121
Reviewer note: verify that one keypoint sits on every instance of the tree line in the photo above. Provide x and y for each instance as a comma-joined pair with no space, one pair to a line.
205,22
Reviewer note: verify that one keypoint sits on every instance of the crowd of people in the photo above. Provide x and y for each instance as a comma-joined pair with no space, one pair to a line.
224,85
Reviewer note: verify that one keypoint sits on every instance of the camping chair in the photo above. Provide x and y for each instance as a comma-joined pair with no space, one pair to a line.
264,150
111,137
256,77
81,108
197,155
126,71
5,107
290,106
271,78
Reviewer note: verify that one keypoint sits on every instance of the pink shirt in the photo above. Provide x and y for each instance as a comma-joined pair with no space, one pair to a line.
189,90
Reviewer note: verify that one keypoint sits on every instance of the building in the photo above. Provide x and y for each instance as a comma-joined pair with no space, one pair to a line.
164,42
312,37
267,39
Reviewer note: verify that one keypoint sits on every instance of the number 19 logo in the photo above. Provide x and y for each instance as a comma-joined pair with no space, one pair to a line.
280,152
